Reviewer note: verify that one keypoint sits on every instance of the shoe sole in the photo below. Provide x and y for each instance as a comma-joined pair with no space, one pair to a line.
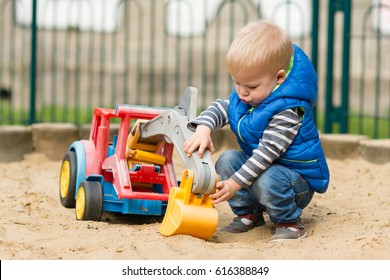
289,239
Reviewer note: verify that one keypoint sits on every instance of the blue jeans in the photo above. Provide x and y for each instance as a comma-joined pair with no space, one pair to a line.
279,191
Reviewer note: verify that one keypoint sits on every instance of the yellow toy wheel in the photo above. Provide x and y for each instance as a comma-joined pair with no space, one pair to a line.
80,203
89,201
67,184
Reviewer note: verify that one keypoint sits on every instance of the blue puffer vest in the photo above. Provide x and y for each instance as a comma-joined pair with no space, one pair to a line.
305,154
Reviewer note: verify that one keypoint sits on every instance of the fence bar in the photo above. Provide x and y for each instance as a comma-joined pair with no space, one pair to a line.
315,28
314,42
337,114
33,64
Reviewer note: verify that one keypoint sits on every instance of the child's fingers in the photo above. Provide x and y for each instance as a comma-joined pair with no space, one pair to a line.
211,148
202,147
220,195
190,145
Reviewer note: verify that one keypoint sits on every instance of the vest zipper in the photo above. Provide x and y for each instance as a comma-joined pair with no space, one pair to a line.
299,161
239,123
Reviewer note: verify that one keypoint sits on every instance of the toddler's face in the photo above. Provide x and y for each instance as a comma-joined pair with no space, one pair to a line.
254,87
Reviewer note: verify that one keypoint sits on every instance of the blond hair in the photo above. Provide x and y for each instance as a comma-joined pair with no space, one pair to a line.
260,44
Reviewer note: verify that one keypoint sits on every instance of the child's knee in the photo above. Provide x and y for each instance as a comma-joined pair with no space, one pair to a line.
228,156
230,160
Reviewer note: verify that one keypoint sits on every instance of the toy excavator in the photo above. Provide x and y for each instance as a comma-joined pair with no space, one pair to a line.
134,174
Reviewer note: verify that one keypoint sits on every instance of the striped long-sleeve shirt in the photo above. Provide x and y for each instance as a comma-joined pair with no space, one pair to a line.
276,138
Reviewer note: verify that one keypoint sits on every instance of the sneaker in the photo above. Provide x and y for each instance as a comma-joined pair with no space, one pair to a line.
289,231
238,226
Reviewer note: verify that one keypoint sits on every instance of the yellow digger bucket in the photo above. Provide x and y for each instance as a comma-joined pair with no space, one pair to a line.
188,213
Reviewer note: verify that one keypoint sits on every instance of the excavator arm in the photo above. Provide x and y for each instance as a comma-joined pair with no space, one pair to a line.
189,209
172,125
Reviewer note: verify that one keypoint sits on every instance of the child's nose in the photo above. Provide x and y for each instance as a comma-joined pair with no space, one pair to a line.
241,90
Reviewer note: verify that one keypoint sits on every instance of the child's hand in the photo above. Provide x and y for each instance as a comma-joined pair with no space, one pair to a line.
225,190
200,139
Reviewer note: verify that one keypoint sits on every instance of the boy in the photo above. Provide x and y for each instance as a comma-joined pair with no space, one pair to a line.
281,163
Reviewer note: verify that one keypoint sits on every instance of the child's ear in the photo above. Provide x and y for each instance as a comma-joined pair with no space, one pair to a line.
281,76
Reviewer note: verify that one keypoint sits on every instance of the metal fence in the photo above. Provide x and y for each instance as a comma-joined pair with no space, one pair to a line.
369,107
357,95
61,58
83,54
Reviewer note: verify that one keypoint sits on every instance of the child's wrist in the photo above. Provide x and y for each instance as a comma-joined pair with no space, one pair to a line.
234,184
203,128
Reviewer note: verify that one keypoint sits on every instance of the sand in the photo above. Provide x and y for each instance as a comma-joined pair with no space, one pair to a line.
350,221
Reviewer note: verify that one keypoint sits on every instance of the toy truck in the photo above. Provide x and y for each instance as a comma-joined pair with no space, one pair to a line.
134,173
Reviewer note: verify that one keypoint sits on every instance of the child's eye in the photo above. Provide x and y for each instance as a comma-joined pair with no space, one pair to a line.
252,87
